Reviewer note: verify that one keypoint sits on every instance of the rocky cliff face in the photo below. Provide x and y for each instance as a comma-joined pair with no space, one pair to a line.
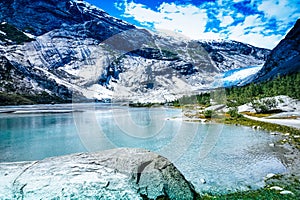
111,174
229,55
75,51
284,58
38,17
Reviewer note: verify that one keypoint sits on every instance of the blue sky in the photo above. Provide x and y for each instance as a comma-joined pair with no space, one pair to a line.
261,23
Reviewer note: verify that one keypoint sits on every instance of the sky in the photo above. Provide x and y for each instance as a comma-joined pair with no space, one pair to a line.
261,23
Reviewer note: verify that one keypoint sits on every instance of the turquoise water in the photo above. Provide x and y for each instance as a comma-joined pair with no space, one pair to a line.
37,136
229,158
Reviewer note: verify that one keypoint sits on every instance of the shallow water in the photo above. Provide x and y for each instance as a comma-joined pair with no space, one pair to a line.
229,158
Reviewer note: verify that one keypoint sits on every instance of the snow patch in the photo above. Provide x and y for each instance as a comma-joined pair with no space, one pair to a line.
3,33
29,35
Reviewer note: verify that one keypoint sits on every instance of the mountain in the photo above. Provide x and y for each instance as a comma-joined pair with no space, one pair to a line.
284,58
70,50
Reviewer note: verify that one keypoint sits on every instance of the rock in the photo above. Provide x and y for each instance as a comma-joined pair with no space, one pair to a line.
286,192
112,174
246,108
220,53
256,127
215,107
270,175
202,180
276,188
288,106
273,133
284,58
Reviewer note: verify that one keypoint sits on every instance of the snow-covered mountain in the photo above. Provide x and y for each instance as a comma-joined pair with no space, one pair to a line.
72,50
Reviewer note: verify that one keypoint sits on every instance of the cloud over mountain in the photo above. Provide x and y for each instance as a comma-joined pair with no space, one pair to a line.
251,21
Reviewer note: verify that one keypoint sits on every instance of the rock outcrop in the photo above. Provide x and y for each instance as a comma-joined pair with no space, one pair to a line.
229,55
112,174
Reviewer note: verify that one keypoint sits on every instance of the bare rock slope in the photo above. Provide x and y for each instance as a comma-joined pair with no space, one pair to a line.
284,58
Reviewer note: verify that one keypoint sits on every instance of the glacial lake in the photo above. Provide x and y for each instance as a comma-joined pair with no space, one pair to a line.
228,158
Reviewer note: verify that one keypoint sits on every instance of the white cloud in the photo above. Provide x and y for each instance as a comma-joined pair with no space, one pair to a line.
212,36
259,40
189,20
192,21
226,20
280,9
249,32
141,13
118,6
257,29
239,15
252,20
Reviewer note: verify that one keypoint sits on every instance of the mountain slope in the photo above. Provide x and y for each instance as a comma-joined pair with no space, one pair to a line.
284,58
75,51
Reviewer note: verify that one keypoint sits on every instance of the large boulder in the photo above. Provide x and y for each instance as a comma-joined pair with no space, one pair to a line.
112,174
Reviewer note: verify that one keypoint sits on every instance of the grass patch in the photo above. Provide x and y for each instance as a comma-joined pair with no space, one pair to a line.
260,115
286,183
261,194
289,117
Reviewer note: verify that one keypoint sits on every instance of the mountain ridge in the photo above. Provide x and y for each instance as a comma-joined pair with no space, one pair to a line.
284,59
87,54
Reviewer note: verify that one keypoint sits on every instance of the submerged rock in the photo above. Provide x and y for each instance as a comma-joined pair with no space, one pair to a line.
272,145
113,174
276,188
286,192
203,181
270,175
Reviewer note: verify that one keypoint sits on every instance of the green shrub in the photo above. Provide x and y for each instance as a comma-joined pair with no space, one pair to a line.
209,113
233,112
